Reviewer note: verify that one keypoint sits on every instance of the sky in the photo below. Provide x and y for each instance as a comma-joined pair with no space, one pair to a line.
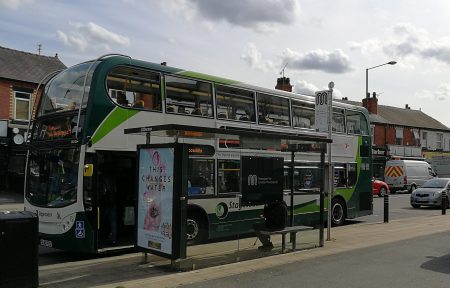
313,42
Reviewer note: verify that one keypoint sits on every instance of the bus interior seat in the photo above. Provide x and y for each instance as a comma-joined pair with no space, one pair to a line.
222,115
138,104
197,111
182,110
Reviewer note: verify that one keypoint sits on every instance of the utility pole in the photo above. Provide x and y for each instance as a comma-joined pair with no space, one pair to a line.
39,49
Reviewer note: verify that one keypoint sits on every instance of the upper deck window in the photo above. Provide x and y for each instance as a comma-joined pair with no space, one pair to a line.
65,91
303,114
135,88
188,96
235,104
273,110
356,123
338,123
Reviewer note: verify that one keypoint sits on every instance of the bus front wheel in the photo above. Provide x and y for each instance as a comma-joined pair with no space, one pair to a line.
196,230
338,212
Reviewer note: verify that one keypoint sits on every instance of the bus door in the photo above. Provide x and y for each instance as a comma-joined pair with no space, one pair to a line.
115,198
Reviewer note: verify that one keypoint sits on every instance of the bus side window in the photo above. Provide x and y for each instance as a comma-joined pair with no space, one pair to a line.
138,87
200,177
273,109
228,176
188,95
235,104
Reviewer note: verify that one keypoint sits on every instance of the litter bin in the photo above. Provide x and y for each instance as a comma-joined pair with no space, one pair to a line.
18,249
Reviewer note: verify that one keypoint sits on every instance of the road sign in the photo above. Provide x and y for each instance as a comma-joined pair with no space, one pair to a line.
323,104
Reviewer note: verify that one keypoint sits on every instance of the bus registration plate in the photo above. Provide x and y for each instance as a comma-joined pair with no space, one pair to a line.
46,243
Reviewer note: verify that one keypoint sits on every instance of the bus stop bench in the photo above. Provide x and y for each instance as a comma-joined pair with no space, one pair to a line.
291,230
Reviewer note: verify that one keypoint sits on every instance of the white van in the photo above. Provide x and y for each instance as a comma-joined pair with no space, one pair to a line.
407,174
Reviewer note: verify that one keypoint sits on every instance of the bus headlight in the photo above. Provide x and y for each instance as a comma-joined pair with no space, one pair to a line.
67,223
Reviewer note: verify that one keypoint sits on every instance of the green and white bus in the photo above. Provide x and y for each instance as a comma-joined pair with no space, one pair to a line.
77,137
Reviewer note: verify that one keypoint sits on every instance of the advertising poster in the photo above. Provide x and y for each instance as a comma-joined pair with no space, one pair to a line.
155,203
262,179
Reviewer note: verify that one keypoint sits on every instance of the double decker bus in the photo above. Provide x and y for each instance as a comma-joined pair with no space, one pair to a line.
77,138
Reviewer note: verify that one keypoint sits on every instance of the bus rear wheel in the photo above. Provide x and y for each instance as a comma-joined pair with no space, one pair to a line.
338,212
196,230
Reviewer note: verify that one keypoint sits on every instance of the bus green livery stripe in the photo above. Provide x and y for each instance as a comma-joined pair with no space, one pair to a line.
207,77
307,207
114,119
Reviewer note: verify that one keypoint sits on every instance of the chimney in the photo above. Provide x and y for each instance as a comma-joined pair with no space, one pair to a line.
284,83
371,104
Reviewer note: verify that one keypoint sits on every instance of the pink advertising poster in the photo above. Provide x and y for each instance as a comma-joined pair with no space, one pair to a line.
155,203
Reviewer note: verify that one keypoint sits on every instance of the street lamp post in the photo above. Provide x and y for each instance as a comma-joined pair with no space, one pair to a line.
386,196
367,74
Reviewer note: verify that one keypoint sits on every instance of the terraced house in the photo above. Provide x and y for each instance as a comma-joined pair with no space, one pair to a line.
20,74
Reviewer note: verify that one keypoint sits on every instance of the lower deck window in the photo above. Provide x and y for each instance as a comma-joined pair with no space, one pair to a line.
201,177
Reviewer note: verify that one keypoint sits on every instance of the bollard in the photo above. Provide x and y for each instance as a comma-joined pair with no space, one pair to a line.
386,207
444,202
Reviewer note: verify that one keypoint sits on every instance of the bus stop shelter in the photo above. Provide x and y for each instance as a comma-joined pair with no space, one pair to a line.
293,142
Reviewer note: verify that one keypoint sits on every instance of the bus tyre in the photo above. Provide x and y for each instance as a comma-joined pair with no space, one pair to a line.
196,230
338,212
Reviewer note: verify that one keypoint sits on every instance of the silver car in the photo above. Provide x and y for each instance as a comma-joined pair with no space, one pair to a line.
430,193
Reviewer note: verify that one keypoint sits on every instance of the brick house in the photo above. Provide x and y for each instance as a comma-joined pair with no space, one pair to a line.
20,74
397,132
403,133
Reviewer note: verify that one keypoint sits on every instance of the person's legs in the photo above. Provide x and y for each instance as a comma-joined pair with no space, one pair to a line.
264,239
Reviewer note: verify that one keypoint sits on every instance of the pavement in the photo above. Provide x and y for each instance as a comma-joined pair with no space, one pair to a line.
343,239
245,258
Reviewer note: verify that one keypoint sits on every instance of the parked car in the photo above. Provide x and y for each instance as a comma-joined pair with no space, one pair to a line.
430,193
380,188
407,174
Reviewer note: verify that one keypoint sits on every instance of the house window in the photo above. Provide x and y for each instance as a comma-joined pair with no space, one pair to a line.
424,139
22,105
439,138
399,135
416,137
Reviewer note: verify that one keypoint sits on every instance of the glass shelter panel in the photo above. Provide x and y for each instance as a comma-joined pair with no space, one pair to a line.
200,177
228,176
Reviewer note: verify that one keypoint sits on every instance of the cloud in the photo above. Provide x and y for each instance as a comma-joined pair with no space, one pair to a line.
407,42
91,36
14,4
259,15
253,58
442,93
335,62
303,87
